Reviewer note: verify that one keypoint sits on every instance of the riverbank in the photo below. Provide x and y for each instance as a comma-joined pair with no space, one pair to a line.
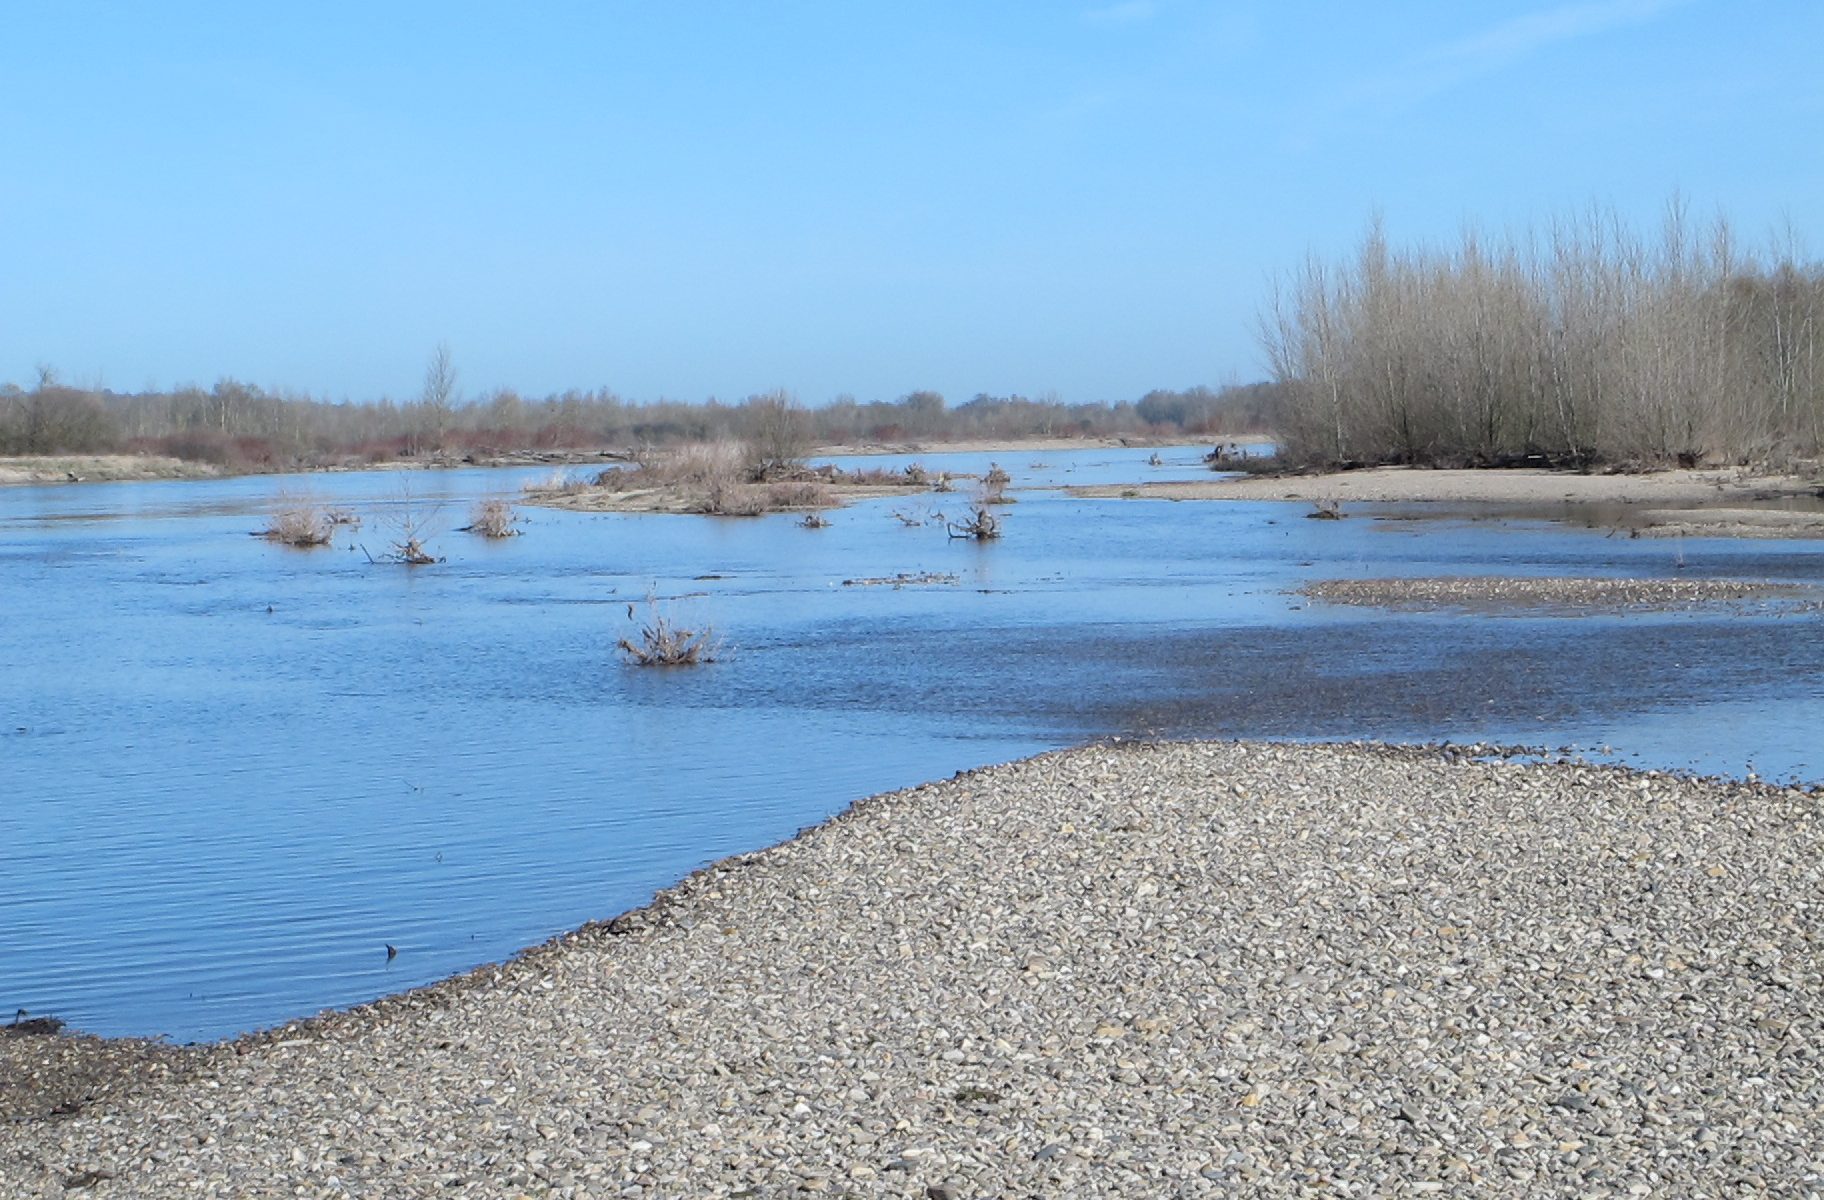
120,468
1692,503
1120,970
26,470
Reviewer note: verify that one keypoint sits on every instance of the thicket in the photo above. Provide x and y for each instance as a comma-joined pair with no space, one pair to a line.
244,427
1586,343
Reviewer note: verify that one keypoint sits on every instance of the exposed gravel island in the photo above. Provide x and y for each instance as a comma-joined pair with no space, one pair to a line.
1574,593
1134,970
1675,503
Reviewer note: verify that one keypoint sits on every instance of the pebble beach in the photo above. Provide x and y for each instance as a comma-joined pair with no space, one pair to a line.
1188,969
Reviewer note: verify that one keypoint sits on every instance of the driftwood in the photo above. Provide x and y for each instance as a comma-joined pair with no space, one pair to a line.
981,526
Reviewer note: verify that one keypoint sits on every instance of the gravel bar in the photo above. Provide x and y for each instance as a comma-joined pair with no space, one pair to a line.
1483,591
1128,970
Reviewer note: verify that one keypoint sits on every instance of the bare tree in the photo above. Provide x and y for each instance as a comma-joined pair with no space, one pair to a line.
1594,342
438,397
778,434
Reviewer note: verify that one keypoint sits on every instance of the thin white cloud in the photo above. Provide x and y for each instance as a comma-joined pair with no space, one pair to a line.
1521,36
1439,69
1128,12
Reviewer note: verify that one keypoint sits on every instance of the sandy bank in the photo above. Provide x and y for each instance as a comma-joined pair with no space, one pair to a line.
1521,486
687,499
1576,594
1134,971
1687,503
1009,445
99,468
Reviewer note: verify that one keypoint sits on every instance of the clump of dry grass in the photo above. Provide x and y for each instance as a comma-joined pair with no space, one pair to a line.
913,475
493,518
662,642
731,498
802,493
563,483
1329,509
297,520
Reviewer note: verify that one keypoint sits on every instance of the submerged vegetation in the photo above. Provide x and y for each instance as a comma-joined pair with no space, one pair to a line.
1586,343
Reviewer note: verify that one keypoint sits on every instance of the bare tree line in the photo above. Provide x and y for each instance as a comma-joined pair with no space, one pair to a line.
1587,342
242,426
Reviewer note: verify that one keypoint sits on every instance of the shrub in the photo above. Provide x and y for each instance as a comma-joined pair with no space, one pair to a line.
981,526
493,518
299,521
994,485
800,494
664,643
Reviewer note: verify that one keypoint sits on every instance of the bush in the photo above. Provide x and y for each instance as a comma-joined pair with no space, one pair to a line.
663,643
982,526
493,518
298,521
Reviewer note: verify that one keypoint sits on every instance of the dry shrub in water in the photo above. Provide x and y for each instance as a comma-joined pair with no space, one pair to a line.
493,518
982,526
662,642
298,520
994,485
412,527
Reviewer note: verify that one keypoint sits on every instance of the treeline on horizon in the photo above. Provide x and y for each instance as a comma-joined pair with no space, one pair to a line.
1587,343
244,427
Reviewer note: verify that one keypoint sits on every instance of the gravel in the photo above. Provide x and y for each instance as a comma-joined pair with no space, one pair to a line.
1133,970
1482,591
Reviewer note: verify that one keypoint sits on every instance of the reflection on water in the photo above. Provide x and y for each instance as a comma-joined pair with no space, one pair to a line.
231,774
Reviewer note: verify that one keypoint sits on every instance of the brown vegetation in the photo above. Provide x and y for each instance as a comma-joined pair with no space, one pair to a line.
297,520
1587,343
664,643
493,518
981,526
994,485
240,427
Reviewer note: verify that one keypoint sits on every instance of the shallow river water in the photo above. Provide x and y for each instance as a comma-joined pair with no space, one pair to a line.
232,774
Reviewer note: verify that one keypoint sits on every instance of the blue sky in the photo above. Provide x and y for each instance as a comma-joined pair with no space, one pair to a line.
694,199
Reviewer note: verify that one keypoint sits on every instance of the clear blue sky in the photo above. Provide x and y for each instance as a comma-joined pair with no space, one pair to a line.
695,199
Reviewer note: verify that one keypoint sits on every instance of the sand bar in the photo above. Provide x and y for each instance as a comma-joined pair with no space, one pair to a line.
1519,486
1570,594
1127,971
